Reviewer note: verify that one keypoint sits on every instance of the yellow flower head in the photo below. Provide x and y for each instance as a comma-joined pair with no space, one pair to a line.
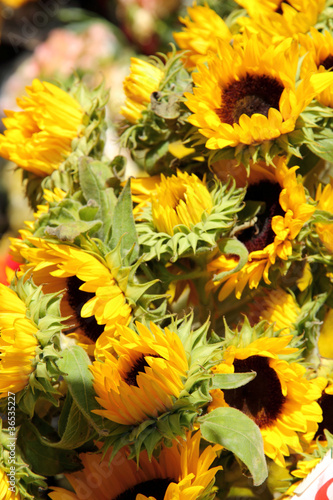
143,378
203,27
92,298
15,4
145,78
278,307
179,473
181,199
318,48
18,343
141,189
325,202
248,94
325,340
280,400
5,492
39,138
280,19
277,226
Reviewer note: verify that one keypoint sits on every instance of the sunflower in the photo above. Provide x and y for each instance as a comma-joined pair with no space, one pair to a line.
91,299
318,50
203,27
179,199
39,138
286,211
141,189
324,197
144,377
18,343
280,19
180,472
248,92
280,400
278,307
145,78
5,492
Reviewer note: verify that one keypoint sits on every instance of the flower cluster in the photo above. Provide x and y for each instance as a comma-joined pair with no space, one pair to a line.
165,327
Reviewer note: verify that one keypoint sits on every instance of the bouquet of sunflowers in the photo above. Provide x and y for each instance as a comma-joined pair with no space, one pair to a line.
169,335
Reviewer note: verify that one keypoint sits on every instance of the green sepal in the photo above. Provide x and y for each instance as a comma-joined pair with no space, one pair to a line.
285,145
123,226
152,432
246,334
135,287
236,432
28,483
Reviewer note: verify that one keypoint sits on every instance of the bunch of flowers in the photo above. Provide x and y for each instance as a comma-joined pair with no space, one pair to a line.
169,336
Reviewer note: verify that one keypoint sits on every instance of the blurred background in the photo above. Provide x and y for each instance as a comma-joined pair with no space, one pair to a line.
58,40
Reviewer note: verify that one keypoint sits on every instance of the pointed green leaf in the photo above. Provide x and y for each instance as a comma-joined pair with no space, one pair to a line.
76,433
41,458
238,433
232,380
70,230
123,226
94,176
75,367
232,246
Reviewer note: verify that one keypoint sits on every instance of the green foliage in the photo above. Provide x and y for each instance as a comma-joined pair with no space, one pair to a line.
238,433
74,365
123,227
42,458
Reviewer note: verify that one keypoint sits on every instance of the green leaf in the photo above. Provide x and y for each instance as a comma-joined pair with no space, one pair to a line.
152,160
238,433
118,166
70,230
75,367
41,458
232,246
123,226
169,110
76,433
251,209
232,380
94,177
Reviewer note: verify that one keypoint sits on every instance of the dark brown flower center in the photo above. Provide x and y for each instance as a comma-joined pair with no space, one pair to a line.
328,62
278,10
138,367
261,399
251,94
260,235
326,404
76,299
154,488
